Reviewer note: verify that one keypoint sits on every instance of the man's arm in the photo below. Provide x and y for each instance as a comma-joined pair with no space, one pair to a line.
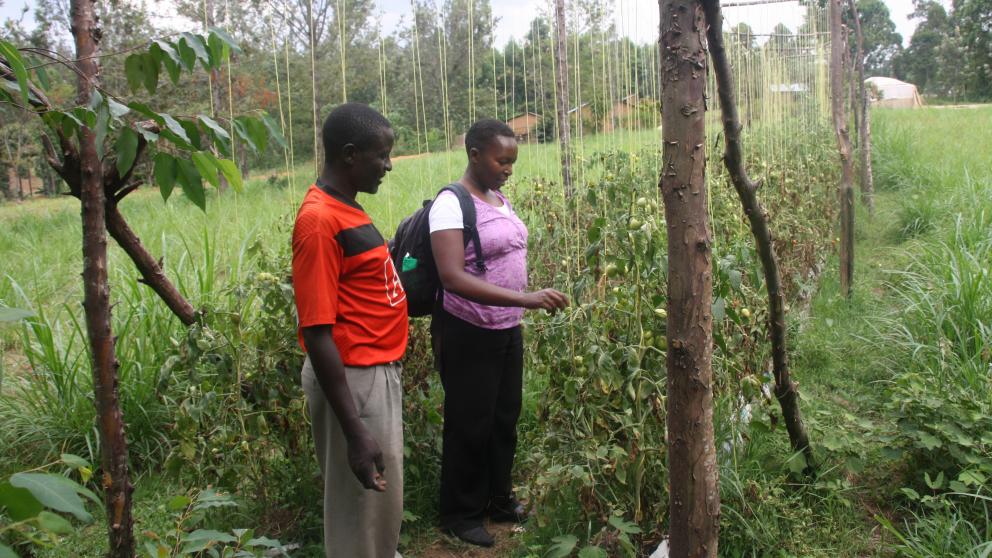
364,455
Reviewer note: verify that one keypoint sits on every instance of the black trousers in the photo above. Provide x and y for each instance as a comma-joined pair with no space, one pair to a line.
482,375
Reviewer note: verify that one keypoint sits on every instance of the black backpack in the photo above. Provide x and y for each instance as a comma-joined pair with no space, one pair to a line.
410,250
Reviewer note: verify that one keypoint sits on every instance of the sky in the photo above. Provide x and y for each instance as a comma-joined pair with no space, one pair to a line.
639,18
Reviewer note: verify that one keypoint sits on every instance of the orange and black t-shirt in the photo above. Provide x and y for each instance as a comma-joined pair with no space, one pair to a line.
343,276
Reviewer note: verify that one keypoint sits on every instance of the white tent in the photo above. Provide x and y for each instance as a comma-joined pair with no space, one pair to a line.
890,92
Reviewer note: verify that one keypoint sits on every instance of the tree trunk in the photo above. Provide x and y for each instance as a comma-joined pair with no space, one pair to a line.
846,186
151,270
785,389
561,81
864,123
694,506
96,298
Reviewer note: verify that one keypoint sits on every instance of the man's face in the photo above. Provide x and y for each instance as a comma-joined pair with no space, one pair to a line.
493,165
370,165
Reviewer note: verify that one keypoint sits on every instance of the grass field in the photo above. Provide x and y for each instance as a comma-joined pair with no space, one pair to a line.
895,381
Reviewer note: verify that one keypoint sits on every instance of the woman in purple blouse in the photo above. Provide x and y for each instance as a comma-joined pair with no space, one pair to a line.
478,338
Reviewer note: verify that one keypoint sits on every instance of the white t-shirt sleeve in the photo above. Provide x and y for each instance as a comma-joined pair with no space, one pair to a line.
446,213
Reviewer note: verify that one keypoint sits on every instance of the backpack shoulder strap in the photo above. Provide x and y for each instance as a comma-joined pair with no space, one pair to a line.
468,220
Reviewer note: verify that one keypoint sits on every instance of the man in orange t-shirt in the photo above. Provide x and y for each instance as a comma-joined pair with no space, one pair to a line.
353,327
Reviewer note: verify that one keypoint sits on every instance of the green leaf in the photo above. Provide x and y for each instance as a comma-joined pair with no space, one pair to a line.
134,69
264,541
223,36
74,461
195,42
101,128
214,127
42,76
178,503
719,310
54,523
205,163
117,110
166,170
203,538
193,133
230,171
274,130
150,136
150,74
6,552
564,545
14,314
176,128
593,552
189,178
186,54
127,150
18,503
17,64
168,57
218,50
54,491
146,111
258,132
927,441
221,137
735,279
627,527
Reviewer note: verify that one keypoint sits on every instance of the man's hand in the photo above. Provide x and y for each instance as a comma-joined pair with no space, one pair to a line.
365,460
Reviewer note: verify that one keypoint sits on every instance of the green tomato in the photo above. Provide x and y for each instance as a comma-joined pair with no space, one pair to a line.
634,224
612,270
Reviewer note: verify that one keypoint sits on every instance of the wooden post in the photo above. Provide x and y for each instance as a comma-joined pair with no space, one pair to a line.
561,81
845,188
733,157
694,506
114,477
864,122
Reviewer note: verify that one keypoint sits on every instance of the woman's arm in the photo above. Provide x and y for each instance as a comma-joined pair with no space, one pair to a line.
449,256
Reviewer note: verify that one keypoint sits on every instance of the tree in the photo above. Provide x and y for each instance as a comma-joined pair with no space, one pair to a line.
919,63
694,505
973,19
97,157
881,42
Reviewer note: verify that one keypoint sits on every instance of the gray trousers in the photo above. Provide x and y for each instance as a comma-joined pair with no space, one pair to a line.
360,523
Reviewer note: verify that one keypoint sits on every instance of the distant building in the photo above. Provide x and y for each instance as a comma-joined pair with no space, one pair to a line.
524,126
892,93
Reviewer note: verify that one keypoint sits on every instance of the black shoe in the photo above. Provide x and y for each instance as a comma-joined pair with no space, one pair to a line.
507,509
475,534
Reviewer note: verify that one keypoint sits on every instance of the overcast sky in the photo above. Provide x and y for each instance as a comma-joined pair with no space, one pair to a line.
638,18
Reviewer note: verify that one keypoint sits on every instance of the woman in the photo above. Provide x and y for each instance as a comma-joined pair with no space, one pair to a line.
478,338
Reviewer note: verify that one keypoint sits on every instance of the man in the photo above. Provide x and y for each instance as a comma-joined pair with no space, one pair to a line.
353,327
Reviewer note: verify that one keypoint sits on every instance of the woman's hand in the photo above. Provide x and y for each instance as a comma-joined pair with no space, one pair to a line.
548,299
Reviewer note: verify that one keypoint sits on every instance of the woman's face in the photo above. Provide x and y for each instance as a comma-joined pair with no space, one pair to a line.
493,165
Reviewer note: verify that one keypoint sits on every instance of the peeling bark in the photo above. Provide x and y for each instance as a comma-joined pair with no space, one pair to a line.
845,189
786,390
115,478
694,506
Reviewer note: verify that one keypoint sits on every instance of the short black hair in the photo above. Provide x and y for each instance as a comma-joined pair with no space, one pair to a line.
354,123
482,133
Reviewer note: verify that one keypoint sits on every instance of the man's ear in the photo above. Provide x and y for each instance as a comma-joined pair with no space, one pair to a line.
348,153
473,154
